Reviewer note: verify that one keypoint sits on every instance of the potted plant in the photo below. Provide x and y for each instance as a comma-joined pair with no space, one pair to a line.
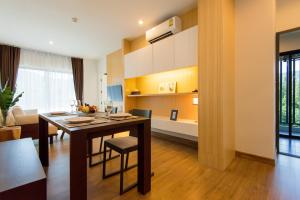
7,100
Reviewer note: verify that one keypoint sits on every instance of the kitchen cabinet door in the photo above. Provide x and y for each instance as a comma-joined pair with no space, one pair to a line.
130,65
144,61
163,55
186,48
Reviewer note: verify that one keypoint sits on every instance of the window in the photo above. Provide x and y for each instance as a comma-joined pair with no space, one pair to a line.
47,81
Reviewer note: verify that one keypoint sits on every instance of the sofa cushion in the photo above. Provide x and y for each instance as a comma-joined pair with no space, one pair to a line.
26,119
17,110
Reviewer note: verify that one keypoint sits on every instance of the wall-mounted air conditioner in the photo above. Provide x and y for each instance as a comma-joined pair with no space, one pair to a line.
163,30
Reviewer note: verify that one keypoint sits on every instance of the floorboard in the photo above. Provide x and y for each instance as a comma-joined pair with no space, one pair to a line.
178,175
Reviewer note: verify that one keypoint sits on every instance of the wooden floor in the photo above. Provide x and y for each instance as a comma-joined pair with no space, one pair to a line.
178,175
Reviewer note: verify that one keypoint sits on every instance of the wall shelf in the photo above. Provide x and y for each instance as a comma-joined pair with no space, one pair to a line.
181,126
163,94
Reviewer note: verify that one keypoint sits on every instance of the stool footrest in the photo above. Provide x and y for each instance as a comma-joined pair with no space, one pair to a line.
101,161
128,188
118,172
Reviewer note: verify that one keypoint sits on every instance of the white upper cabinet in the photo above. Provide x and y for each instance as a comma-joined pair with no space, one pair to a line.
163,55
129,65
144,61
179,50
186,48
138,63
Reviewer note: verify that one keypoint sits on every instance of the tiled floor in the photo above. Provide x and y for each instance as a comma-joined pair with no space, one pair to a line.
289,146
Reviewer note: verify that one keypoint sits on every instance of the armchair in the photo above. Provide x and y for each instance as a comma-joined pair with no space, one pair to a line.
29,122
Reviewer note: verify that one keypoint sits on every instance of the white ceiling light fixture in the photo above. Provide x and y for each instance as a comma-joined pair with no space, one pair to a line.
141,22
51,42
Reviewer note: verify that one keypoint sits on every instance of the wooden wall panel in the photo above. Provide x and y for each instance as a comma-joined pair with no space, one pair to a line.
125,46
216,83
228,82
115,67
189,19
186,78
129,85
162,106
138,43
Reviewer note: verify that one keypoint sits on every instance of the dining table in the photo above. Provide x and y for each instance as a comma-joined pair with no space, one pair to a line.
79,136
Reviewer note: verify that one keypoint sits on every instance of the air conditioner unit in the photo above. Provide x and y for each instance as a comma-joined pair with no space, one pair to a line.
163,30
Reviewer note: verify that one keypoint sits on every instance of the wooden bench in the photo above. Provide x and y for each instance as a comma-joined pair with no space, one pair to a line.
22,176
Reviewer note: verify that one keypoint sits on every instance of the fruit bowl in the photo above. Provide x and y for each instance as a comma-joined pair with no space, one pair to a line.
88,108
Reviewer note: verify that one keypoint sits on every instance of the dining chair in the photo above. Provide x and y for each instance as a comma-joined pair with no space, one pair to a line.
124,146
90,147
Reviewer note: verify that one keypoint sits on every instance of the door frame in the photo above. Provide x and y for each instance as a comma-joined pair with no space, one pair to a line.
277,55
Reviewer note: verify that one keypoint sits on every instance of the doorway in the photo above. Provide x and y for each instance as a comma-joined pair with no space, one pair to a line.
288,93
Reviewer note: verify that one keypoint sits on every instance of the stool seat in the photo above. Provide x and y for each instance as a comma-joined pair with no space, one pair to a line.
123,143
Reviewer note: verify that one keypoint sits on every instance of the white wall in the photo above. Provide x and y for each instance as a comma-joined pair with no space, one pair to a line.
289,41
255,77
91,84
287,14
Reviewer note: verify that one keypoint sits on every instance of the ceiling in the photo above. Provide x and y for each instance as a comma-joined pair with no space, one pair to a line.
101,26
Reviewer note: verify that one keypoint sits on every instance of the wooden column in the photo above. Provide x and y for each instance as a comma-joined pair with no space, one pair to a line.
216,82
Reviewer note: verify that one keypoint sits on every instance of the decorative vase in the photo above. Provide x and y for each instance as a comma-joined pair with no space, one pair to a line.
4,116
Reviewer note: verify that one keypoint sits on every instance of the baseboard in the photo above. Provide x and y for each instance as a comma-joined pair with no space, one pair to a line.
189,143
255,158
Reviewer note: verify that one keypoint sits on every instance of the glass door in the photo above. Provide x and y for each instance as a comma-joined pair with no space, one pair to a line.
289,94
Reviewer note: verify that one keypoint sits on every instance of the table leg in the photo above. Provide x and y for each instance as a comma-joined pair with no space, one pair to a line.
144,157
43,142
78,168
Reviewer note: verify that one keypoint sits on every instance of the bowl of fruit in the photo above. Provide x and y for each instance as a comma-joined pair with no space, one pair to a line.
86,108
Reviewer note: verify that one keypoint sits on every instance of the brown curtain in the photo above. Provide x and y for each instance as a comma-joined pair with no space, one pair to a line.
9,65
77,67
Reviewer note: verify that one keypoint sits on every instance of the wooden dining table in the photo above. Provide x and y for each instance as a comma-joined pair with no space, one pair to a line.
78,148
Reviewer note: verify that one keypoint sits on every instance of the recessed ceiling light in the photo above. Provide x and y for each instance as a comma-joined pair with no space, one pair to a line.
74,19
141,22
51,42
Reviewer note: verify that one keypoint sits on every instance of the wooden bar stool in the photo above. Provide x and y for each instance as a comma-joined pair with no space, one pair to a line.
124,145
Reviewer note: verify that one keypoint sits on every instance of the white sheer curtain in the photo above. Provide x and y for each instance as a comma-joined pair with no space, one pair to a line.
47,81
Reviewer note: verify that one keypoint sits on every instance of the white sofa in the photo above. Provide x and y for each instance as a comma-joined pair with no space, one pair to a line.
29,122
